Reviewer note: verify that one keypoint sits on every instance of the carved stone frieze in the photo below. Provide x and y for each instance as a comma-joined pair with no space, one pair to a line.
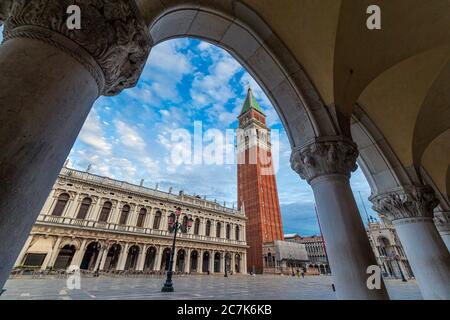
325,157
406,202
113,43
442,220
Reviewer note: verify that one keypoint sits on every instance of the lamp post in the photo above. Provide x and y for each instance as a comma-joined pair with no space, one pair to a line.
168,285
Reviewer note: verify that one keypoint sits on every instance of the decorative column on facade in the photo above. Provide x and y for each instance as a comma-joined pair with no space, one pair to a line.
79,254
211,262
51,75
442,221
410,209
55,252
187,266
23,252
222,262
199,261
244,263
71,207
233,262
123,257
95,210
104,257
327,164
158,258
100,255
141,258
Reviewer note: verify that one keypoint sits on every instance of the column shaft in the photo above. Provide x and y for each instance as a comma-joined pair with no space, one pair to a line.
427,255
346,241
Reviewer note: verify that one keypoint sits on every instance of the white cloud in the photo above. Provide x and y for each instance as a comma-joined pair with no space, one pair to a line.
92,134
129,136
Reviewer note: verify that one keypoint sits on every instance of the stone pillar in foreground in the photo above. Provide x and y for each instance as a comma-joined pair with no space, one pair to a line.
442,221
327,166
410,208
49,78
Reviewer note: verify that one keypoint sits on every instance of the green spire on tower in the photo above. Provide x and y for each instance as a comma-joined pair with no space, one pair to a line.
250,102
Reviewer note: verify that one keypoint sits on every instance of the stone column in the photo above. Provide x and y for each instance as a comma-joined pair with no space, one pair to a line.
410,208
55,252
100,256
141,258
23,252
442,221
78,257
244,263
104,257
49,78
327,166
233,262
187,266
211,262
199,261
123,257
222,262
158,258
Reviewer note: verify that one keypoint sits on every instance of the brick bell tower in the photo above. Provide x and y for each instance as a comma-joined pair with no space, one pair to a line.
257,187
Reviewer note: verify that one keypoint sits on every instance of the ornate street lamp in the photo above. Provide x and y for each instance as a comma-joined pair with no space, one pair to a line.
174,225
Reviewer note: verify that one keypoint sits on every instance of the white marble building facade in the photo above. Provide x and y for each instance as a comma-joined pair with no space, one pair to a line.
101,224
388,250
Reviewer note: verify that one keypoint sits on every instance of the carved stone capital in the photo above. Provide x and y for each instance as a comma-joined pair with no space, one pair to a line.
113,43
442,220
406,202
324,158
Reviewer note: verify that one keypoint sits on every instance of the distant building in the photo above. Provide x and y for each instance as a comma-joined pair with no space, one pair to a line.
388,250
284,257
100,224
317,259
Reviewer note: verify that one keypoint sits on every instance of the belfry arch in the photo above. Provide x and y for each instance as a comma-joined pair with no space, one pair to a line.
68,70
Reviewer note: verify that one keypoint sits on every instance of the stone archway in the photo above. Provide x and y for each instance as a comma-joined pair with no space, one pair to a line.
194,261
205,262
112,258
90,256
150,259
132,258
165,259
180,260
64,257
82,68
217,261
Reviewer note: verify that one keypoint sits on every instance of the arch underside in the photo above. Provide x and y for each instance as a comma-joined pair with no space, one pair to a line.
310,105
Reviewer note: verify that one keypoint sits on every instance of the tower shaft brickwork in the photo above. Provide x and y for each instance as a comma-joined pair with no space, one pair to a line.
257,188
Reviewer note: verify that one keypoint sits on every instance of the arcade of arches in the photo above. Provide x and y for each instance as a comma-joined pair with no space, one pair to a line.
343,92
125,228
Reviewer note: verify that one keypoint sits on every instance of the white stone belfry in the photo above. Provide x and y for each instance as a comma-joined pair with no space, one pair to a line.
49,78
410,208
327,164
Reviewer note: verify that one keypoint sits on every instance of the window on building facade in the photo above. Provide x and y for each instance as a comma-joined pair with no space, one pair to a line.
84,208
124,214
208,228
157,220
218,226
141,218
228,231
184,224
106,209
197,226
237,233
60,204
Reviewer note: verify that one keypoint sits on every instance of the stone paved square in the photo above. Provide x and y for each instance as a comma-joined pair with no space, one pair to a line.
263,287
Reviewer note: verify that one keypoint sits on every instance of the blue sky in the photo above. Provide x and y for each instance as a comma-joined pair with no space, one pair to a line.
129,136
